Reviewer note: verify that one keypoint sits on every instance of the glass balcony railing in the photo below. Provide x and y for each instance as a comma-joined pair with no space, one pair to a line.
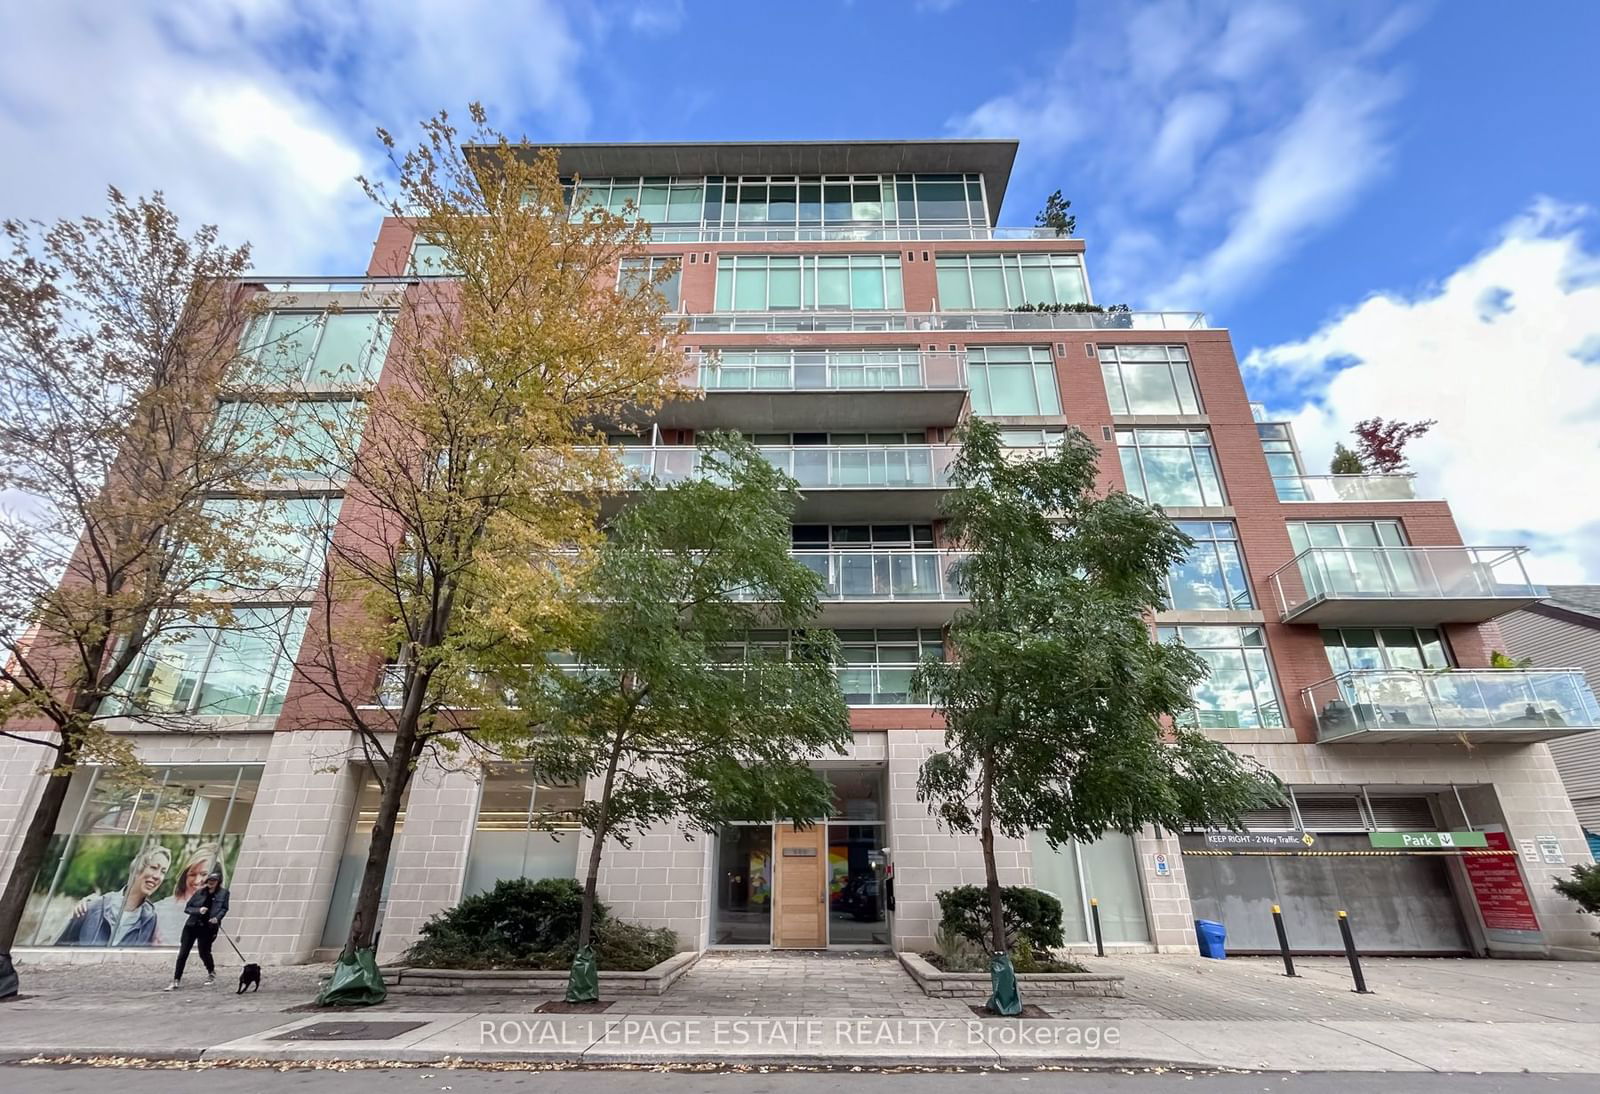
824,322
1517,705
819,370
879,686
884,575
1346,487
863,685
880,467
866,233
1419,585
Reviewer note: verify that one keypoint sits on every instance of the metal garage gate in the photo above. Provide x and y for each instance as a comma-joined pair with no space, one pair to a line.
1398,903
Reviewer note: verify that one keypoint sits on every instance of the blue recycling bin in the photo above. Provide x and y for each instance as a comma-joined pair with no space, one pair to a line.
1213,938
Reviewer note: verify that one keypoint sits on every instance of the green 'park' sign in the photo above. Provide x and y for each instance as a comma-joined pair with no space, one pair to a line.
1428,841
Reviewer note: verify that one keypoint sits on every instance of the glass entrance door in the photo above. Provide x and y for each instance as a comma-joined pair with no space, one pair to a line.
744,886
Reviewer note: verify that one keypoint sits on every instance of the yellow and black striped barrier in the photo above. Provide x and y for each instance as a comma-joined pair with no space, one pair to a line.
1339,854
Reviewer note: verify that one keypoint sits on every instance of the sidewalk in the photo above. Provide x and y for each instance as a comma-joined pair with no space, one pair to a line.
831,1009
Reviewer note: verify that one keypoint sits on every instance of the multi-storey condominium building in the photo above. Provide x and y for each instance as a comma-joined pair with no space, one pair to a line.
846,305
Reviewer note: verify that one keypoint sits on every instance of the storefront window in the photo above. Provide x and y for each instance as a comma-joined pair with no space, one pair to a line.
1106,870
353,863
525,829
126,856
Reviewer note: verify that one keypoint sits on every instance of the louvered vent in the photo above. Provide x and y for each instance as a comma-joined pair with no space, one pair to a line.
1329,811
1266,820
1405,814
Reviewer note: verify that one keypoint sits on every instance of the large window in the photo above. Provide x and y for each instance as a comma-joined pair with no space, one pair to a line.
787,201
1106,871
659,200
201,668
301,439
1010,380
1278,445
1385,648
289,537
1148,380
878,663
811,282
353,862
1238,692
126,855
1212,577
996,282
320,349
1170,466
524,829
1353,534
635,272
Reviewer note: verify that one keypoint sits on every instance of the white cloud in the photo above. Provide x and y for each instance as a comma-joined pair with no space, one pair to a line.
1233,130
657,16
1505,353
257,114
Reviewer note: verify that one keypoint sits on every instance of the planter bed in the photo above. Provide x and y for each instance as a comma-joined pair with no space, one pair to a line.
975,985
405,980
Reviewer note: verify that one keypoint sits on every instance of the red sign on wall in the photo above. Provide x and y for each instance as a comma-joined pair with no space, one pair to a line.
1497,885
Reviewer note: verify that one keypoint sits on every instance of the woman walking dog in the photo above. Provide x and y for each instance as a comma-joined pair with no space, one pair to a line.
205,911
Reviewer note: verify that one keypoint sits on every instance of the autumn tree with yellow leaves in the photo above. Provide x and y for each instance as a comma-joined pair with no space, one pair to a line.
474,473
117,335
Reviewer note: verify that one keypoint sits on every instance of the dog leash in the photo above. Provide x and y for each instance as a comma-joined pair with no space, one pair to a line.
224,934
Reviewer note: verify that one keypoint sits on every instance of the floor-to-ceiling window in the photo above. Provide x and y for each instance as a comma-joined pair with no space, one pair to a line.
128,853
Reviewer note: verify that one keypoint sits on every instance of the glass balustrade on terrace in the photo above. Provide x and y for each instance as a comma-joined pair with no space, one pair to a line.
1403,705
824,322
842,467
1346,487
1411,586
805,371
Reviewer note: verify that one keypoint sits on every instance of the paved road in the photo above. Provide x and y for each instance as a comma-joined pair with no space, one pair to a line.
43,1080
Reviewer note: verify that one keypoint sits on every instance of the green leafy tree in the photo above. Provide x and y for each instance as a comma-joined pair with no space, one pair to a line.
652,718
1583,888
1054,215
1054,699
1345,462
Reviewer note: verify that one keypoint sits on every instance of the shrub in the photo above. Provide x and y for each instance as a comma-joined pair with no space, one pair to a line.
1583,888
1028,913
516,923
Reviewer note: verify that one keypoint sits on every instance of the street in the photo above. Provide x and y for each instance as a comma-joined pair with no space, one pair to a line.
424,1080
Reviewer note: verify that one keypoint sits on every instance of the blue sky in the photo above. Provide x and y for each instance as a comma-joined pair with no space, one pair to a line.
1391,205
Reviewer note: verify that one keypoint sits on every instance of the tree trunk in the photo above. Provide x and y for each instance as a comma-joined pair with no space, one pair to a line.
991,874
591,881
364,923
35,842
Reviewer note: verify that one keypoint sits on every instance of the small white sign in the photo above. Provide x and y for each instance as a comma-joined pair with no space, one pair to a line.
1159,863
1550,850
1530,851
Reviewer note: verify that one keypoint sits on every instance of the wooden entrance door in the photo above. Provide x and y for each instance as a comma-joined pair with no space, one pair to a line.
800,912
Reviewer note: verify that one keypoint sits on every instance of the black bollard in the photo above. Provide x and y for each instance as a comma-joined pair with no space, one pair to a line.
1283,941
1350,952
1099,939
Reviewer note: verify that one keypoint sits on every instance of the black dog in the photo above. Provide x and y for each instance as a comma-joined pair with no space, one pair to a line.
250,974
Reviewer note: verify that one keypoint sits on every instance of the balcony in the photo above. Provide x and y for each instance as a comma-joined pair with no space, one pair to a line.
838,483
821,390
863,685
1411,586
868,588
846,322
846,233
1346,487
1511,706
